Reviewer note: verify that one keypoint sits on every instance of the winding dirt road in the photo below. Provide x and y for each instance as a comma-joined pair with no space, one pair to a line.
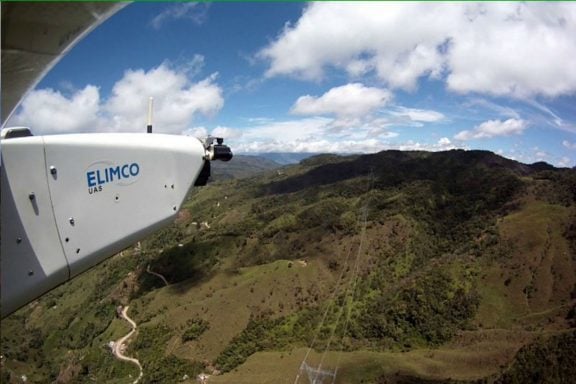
118,348
156,274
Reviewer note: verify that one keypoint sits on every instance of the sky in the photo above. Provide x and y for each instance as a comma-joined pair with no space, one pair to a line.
326,77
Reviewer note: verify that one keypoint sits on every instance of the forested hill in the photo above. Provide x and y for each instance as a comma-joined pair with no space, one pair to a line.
395,267
390,168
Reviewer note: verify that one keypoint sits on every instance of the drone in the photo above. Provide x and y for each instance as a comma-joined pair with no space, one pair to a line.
71,201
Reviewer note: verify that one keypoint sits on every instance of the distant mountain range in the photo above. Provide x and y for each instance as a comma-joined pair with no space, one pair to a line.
241,166
249,164
284,158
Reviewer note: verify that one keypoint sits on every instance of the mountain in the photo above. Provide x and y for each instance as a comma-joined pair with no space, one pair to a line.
285,158
395,267
241,166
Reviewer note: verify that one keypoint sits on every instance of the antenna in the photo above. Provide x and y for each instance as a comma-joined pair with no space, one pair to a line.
150,109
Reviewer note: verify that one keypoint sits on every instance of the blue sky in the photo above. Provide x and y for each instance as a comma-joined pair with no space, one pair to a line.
326,77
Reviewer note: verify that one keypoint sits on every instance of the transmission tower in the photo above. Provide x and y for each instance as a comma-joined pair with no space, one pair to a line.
318,375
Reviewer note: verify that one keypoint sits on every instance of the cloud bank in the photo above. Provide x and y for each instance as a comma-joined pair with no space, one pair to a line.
503,49
177,100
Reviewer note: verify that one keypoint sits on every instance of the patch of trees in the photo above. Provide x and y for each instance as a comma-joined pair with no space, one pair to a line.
285,222
165,238
86,326
196,327
150,340
149,349
170,369
324,214
251,340
544,361
265,333
427,311
556,186
570,234
99,365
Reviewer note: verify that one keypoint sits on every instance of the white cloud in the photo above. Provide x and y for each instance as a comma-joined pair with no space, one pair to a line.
290,130
192,67
361,112
535,154
541,155
311,134
444,141
358,37
420,115
492,128
194,12
226,133
199,132
358,68
317,134
317,145
259,120
350,100
506,49
493,107
515,49
176,101
316,128
568,144
47,111
551,118
411,145
565,162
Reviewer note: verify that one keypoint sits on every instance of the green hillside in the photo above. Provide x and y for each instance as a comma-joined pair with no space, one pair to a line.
397,267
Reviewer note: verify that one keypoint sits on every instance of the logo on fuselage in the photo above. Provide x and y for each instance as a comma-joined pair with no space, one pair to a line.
101,173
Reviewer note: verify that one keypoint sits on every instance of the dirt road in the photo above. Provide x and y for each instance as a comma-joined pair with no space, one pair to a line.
119,347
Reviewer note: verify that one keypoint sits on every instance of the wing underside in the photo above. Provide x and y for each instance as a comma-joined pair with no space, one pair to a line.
36,35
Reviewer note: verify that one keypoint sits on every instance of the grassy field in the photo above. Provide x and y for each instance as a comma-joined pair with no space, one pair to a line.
467,362
228,300
532,286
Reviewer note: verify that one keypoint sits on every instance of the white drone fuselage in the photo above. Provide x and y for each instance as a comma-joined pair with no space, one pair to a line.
70,201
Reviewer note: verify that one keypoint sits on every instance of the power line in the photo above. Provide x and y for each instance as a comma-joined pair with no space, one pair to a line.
350,292
317,375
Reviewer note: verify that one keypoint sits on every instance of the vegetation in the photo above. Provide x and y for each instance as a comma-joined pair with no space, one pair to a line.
427,311
416,260
545,361
197,328
171,369
251,340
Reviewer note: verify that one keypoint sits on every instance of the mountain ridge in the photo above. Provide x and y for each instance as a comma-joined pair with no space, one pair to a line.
241,166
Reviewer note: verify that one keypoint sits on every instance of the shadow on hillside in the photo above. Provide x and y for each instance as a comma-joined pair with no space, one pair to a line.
183,266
